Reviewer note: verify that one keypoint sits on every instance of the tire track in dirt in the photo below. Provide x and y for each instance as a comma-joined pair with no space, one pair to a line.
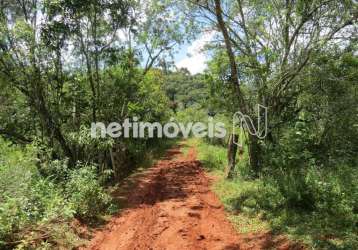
171,207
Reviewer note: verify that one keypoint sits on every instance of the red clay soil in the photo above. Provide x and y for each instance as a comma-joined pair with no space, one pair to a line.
171,207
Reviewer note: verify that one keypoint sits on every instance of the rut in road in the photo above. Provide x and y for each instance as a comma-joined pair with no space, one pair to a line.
172,207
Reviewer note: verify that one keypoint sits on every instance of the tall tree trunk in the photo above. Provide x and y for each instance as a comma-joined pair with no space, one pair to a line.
84,50
231,155
255,154
253,141
52,128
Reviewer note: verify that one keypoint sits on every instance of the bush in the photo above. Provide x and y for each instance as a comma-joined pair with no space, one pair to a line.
56,170
85,193
310,202
335,192
213,157
269,196
39,200
26,198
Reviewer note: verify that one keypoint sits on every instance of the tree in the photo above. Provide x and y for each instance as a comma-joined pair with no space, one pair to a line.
185,90
59,55
269,44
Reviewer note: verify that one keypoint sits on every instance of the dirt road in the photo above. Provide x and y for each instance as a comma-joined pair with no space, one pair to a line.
171,207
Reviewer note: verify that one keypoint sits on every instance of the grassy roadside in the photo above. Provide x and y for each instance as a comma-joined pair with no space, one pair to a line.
254,205
214,160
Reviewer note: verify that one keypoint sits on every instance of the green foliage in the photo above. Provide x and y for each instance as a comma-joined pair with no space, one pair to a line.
39,200
213,157
310,203
153,100
64,65
85,194
186,91
26,197
41,197
191,114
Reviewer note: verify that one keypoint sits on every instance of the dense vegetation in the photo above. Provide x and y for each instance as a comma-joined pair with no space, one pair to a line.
65,64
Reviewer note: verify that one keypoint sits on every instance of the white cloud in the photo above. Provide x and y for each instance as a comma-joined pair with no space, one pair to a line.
196,57
195,64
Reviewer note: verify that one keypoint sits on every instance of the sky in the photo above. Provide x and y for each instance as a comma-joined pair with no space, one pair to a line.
192,56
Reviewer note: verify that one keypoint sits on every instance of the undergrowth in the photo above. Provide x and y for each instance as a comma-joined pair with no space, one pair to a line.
278,202
40,201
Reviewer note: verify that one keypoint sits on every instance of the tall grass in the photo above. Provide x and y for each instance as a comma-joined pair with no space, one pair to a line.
316,206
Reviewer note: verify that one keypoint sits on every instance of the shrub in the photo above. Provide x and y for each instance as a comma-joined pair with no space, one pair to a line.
295,194
56,170
26,198
39,200
213,157
85,193
269,196
335,192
